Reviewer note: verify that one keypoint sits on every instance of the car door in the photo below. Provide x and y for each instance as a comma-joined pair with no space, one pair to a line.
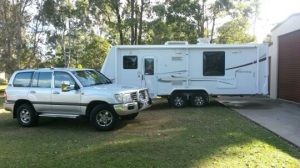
65,102
40,91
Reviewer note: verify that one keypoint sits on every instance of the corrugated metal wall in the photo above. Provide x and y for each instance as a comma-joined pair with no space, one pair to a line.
289,67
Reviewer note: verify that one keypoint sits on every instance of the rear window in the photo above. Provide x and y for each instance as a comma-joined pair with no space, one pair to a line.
23,79
42,80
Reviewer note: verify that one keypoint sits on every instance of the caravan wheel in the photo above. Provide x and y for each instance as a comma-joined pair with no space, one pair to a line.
199,99
178,100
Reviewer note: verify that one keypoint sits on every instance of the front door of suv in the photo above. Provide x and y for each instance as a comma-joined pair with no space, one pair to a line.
65,102
40,91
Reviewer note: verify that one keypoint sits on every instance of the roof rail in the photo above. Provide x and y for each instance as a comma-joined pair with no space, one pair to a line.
176,43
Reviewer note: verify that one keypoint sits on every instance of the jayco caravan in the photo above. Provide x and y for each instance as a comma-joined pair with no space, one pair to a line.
183,72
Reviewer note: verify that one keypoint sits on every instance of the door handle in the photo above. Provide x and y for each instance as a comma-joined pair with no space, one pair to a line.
32,92
55,92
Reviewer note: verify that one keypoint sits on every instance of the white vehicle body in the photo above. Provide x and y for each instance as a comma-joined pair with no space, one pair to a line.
216,69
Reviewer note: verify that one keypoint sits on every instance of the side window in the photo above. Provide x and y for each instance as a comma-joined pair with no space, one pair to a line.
42,80
60,77
130,62
214,63
23,79
149,66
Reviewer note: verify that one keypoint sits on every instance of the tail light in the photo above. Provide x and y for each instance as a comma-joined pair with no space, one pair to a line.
5,96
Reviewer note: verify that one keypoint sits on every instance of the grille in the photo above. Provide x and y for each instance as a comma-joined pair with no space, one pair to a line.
133,96
142,94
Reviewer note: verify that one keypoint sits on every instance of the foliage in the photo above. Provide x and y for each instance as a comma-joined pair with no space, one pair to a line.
212,136
234,32
65,33
3,81
268,39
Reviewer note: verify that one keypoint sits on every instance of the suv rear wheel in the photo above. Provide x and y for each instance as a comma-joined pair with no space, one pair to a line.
103,118
26,116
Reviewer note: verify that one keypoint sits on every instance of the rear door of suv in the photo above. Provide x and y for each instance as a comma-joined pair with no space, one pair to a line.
39,93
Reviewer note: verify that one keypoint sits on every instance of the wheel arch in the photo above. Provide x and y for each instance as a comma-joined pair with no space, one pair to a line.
18,103
92,105
189,92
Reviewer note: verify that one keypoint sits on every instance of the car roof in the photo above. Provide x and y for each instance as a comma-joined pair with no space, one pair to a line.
52,69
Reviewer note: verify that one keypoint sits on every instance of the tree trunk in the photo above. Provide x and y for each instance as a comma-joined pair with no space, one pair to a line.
119,23
141,22
212,29
132,22
202,20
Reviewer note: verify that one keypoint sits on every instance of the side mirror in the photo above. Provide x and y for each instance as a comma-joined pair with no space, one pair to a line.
65,86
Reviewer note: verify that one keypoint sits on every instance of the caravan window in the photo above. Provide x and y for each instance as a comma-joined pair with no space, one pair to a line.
130,62
214,63
149,65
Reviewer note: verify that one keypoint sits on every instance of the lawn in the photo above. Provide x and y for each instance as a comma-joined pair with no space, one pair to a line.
1,101
214,136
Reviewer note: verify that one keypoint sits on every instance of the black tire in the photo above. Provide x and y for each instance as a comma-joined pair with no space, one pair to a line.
199,99
26,116
129,117
178,100
103,118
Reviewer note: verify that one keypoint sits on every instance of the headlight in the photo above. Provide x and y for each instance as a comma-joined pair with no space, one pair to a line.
123,98
127,98
118,97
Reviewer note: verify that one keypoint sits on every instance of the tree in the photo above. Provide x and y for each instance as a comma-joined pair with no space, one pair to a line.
235,32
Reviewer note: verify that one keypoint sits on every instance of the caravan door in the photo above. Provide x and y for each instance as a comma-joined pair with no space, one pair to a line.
149,75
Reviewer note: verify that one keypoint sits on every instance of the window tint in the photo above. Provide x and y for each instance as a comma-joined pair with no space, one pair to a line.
91,77
149,66
60,77
23,79
130,62
214,63
42,80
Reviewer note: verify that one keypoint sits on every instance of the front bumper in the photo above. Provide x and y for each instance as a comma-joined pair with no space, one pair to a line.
131,108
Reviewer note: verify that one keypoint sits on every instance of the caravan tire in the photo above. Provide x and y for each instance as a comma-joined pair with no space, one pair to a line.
178,100
198,99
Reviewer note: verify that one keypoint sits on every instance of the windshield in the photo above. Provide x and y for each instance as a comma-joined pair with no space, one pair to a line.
91,77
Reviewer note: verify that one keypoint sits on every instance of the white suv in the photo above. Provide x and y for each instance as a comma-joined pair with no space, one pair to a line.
72,93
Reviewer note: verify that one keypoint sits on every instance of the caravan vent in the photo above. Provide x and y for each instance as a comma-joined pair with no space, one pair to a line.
203,41
176,58
176,43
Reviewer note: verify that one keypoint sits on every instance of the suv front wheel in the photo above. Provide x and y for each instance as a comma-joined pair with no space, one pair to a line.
103,118
26,116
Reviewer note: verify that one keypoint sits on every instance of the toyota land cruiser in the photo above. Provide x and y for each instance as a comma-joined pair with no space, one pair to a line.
72,93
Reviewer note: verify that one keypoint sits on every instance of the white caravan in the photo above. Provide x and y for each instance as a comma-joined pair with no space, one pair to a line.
183,72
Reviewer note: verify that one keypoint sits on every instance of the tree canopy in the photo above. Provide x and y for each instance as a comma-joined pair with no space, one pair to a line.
69,33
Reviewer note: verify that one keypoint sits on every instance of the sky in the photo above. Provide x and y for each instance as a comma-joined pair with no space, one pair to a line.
273,12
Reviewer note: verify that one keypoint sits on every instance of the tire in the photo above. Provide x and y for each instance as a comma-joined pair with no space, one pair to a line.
26,116
178,100
199,99
103,118
129,117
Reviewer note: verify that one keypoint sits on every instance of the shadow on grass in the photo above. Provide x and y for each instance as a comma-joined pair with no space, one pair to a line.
159,137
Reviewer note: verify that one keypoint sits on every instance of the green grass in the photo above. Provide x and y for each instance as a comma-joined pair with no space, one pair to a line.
1,100
213,136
